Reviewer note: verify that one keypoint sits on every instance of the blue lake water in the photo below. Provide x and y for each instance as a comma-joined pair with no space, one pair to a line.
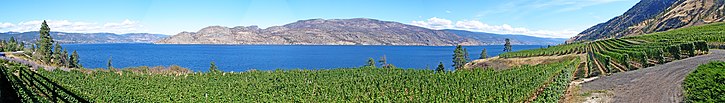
270,57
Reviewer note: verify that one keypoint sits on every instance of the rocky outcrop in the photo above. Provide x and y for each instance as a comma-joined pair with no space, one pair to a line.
358,31
650,16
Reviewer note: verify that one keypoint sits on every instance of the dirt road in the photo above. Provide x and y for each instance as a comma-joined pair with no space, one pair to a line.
657,84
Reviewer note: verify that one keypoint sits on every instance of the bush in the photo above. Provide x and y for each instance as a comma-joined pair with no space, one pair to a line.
624,62
660,56
689,48
674,51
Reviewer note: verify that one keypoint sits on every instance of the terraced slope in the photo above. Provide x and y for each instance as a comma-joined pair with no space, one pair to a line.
656,84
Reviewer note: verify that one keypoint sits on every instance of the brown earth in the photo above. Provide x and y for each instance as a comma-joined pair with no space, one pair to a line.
505,63
656,84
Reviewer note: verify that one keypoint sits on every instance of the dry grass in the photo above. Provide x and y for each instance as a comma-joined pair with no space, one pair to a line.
505,63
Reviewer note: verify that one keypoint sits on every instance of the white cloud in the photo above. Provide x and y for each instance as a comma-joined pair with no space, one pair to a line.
126,26
434,23
474,25
6,25
448,11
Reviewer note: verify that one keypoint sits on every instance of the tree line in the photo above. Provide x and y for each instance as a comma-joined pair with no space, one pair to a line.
11,45
44,51
460,58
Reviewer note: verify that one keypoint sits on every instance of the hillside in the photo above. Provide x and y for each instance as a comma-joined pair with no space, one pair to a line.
86,38
357,31
649,16
669,54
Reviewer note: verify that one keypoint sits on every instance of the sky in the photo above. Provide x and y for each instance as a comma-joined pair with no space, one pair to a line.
541,18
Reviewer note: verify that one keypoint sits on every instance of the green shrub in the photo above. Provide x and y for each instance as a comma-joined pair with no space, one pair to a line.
706,84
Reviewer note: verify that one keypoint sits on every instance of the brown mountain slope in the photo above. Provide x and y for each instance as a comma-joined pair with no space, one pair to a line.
358,31
646,17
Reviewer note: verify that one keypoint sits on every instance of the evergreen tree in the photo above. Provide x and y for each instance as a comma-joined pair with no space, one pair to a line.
56,54
459,60
213,68
64,59
3,46
507,46
73,60
465,55
21,46
110,66
440,68
483,54
371,63
45,43
383,61
11,45
32,48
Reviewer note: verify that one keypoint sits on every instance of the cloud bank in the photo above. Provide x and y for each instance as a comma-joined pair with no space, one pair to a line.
125,26
478,26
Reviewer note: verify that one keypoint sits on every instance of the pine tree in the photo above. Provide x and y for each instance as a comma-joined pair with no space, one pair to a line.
32,48
483,54
64,59
465,55
110,66
45,43
3,46
21,46
11,44
371,63
383,62
213,68
440,68
73,60
507,46
458,58
56,54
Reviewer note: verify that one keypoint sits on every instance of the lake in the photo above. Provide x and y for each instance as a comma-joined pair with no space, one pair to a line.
270,57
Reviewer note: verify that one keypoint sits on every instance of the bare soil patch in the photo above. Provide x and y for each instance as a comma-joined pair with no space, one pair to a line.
505,63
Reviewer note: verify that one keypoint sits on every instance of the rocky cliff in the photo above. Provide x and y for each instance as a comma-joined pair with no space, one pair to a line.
358,31
650,16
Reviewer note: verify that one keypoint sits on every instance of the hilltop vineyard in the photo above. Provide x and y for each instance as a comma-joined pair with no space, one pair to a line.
630,53
575,48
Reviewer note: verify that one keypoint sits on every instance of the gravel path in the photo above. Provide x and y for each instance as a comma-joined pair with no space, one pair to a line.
657,84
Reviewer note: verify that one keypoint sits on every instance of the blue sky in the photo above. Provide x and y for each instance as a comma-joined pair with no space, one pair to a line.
543,18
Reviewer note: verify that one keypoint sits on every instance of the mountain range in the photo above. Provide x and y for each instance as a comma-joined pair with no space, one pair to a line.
85,38
650,16
499,39
356,31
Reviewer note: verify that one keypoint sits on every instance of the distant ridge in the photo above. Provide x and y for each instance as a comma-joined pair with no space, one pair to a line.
357,31
498,39
86,38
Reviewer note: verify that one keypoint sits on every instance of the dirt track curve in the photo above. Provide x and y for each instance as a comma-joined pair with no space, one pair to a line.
657,84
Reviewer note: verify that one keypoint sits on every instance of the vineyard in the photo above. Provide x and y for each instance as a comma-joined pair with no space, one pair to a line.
574,48
635,52
346,84
705,84
526,83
